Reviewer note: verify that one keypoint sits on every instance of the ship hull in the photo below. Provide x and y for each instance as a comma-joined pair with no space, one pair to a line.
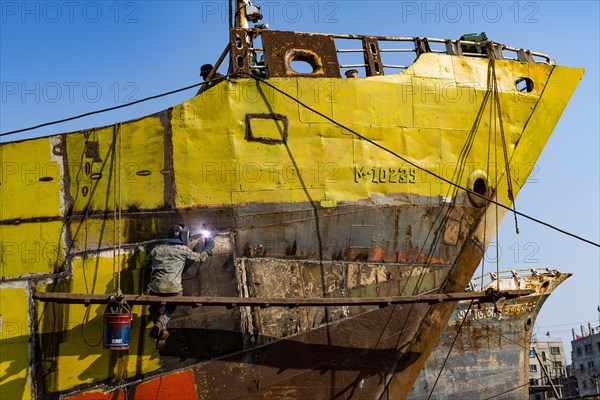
300,206
488,354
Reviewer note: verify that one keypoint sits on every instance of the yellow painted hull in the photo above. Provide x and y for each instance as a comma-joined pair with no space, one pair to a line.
293,188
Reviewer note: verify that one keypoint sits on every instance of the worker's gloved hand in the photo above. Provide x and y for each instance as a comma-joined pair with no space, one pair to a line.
209,245
203,256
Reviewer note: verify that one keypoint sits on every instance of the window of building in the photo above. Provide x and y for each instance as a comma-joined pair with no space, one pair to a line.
581,367
598,346
557,364
532,353
579,351
543,356
584,384
590,364
588,348
554,350
533,367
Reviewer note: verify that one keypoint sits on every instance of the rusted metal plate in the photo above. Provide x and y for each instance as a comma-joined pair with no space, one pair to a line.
372,56
283,48
451,231
240,52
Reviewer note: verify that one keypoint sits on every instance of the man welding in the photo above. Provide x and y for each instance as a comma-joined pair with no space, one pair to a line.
168,262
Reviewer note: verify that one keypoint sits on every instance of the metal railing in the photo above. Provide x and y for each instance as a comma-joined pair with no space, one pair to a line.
375,54
480,283
450,47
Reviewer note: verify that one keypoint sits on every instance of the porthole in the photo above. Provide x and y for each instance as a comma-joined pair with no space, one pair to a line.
301,67
480,186
528,324
524,84
303,62
478,183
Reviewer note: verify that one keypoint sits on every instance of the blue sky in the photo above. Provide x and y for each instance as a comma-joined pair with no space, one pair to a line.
60,59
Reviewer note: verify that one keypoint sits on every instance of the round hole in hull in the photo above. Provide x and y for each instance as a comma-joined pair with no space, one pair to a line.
480,187
524,84
528,323
303,62
478,183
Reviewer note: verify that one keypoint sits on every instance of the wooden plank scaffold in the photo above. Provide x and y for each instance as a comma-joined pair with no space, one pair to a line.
230,302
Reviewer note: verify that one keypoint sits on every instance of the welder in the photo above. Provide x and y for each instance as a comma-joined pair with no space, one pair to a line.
168,262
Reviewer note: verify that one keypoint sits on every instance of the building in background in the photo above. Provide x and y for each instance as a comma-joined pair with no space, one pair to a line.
547,369
585,356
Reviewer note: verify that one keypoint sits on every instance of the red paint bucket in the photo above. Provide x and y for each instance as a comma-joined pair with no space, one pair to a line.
117,328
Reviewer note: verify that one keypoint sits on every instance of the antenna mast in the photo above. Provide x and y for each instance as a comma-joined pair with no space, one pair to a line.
246,11
240,14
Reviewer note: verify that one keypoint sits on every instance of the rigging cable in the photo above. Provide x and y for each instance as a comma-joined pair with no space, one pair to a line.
511,196
114,190
548,225
490,85
99,111
87,313
487,173
507,391
120,232
500,334
450,350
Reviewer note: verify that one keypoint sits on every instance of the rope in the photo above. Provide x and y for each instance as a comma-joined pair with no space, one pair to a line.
487,173
117,200
114,178
497,227
507,391
488,327
120,171
450,350
493,128
100,111
511,196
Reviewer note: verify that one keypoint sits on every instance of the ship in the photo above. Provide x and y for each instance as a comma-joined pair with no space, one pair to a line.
485,349
314,186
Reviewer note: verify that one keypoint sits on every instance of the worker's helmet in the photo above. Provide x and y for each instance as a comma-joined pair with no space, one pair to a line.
205,70
179,234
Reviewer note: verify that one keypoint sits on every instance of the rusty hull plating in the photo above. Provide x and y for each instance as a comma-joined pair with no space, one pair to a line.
490,357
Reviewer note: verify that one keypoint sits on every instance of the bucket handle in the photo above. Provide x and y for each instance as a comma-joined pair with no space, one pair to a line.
117,305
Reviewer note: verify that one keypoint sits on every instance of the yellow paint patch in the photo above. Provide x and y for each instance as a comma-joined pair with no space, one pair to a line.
31,248
123,165
14,342
23,195
72,334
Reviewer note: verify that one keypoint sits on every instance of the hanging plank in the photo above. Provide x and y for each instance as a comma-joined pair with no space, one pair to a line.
229,302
